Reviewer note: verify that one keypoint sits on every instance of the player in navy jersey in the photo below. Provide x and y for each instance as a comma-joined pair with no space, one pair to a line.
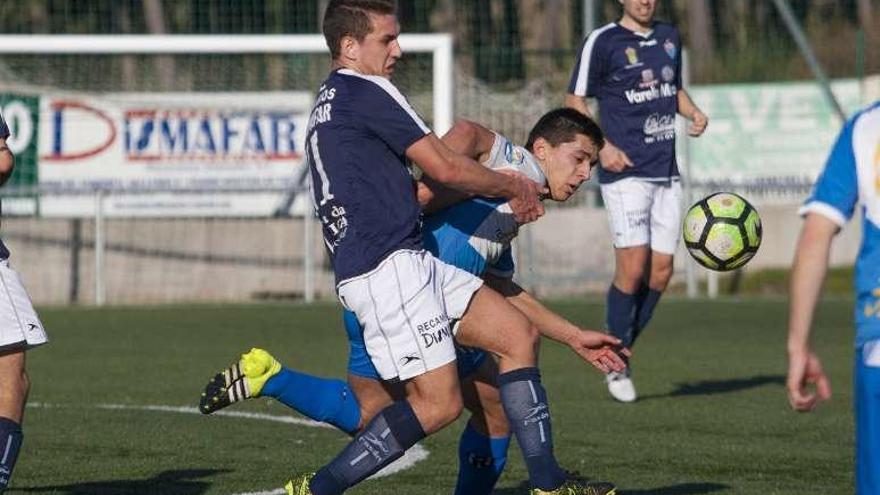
473,235
361,137
851,177
20,330
632,67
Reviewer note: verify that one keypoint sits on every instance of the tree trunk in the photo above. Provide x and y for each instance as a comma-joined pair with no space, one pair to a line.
154,16
702,41
866,22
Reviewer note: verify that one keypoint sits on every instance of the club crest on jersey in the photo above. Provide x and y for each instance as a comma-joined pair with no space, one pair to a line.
668,73
670,48
512,154
647,78
632,56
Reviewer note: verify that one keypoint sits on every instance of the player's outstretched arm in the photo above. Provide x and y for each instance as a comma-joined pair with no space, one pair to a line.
460,172
597,348
807,276
466,138
7,162
689,110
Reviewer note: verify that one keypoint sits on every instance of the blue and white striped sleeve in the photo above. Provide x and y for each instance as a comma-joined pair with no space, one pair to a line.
836,192
504,267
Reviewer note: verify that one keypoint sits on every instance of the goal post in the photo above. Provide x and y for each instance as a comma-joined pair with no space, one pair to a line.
150,172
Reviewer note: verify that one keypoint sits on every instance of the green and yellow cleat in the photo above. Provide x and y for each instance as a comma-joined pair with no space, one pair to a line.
576,487
300,485
244,379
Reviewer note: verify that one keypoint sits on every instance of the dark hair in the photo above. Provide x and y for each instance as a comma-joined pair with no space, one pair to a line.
562,125
351,18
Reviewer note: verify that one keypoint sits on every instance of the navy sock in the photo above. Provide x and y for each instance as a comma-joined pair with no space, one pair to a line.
621,314
648,300
481,460
525,403
384,440
10,442
322,399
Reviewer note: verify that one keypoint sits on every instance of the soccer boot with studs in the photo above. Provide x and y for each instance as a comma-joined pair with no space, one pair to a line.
244,379
299,485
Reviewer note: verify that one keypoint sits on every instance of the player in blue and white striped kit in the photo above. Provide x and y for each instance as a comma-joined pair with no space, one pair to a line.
851,177
473,235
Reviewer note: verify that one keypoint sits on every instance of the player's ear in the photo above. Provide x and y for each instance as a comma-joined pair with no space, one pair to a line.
349,48
540,148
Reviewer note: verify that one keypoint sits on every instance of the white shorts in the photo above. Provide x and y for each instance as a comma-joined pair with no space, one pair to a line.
642,212
407,306
19,325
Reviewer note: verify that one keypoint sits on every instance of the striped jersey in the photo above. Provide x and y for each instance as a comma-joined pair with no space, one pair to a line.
852,178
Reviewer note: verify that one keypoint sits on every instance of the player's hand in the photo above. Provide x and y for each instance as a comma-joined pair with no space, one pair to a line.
603,351
613,158
805,370
525,204
699,122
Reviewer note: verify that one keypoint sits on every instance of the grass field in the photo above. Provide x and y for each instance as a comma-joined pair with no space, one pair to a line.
712,418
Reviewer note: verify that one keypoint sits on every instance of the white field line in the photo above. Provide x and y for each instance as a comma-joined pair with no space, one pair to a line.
410,458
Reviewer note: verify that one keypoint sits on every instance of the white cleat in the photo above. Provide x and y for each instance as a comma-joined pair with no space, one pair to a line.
620,386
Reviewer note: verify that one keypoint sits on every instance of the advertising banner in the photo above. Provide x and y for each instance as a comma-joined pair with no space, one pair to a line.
171,154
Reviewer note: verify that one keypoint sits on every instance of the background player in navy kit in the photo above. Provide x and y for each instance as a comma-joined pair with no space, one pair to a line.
633,68
20,329
362,133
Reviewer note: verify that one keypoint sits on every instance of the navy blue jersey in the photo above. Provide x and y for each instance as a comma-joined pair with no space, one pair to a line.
635,78
4,133
362,184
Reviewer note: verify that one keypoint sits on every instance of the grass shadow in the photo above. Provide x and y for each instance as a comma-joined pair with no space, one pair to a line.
713,387
176,482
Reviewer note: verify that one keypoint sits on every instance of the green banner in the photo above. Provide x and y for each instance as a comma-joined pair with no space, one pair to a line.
767,131
23,117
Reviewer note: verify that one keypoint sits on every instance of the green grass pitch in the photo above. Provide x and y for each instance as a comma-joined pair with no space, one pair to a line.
712,415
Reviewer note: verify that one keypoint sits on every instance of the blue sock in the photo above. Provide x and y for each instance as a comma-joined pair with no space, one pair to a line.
384,440
10,442
525,403
621,314
481,460
648,299
322,399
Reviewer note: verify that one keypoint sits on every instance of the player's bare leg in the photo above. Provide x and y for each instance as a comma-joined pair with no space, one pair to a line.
491,323
373,396
14,386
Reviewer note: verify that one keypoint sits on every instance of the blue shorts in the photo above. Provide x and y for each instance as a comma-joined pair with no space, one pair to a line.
867,406
468,359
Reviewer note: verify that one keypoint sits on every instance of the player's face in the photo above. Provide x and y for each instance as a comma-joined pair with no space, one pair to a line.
379,52
568,165
641,11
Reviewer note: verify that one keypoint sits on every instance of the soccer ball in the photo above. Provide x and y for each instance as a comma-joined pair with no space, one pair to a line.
722,231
